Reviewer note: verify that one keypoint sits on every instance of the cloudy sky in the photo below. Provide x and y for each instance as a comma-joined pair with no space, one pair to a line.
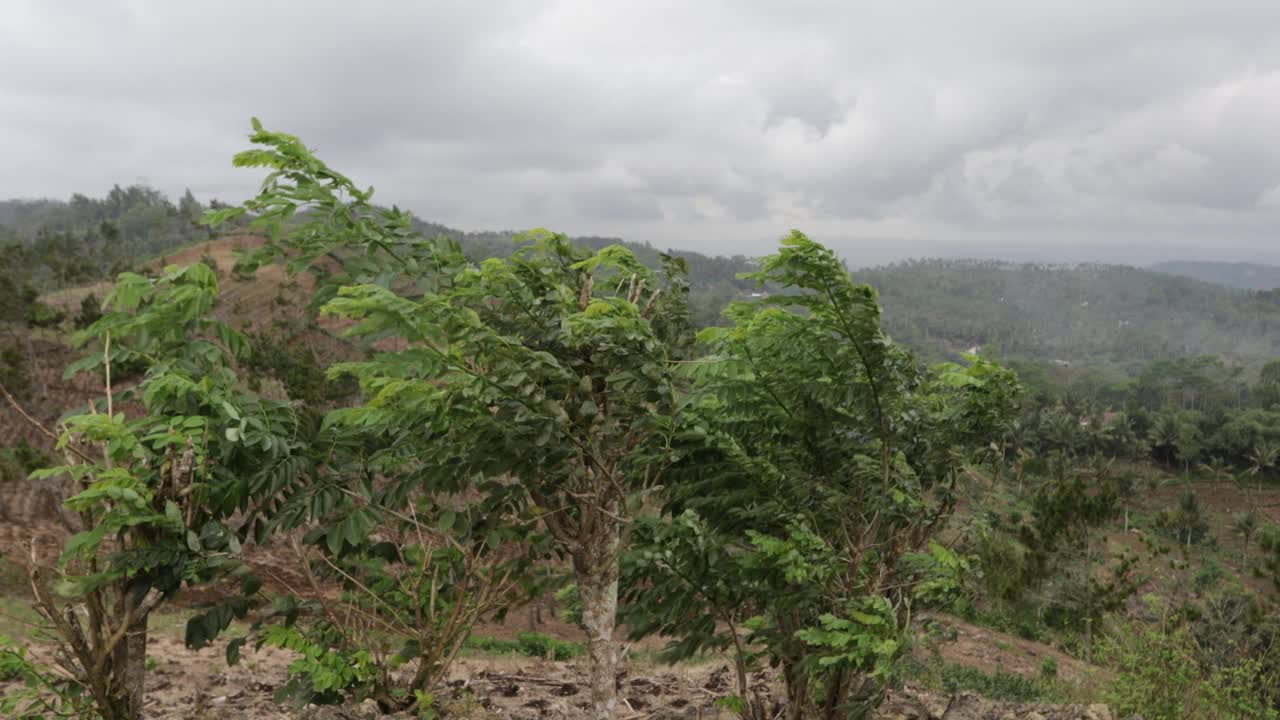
1069,130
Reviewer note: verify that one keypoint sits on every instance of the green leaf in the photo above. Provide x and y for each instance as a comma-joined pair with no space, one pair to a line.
335,537
446,520
866,619
172,513
233,651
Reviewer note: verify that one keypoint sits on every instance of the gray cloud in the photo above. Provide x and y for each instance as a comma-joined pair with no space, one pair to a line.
1069,130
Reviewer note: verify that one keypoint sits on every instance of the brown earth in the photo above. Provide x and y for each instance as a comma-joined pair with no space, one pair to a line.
197,686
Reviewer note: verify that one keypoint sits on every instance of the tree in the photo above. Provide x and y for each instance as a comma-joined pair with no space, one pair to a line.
1263,459
155,494
1245,525
817,461
90,311
1269,384
543,380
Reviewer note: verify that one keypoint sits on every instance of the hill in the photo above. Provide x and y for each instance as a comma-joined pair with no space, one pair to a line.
1080,314
50,244
1246,276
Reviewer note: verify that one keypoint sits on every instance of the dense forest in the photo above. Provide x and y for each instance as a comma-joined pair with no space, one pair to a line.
736,461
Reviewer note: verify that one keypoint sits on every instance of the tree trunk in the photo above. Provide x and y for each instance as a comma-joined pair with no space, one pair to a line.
135,669
797,690
596,567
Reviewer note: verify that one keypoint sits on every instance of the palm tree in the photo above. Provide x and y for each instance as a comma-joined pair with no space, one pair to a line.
1164,436
1264,456
1217,469
1245,525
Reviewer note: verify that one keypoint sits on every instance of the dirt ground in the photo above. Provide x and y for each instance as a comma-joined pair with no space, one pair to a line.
197,685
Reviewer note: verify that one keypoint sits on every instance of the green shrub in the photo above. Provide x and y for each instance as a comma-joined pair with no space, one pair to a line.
90,311
34,691
15,372
532,644
42,315
1158,676
1049,669
536,644
1209,575
13,660
998,685
570,604
17,462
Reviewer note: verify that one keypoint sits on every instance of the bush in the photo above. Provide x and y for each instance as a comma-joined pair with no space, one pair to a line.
532,644
1159,677
90,311
999,685
41,315
570,604
17,462
35,691
1186,522
15,372
536,644
13,660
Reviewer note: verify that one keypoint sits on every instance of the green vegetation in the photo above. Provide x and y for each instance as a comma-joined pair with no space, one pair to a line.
998,685
531,644
51,244
813,440
508,419
1160,676
156,493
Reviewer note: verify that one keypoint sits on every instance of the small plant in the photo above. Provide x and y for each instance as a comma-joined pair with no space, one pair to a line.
531,644
570,604
1209,575
999,685
541,645
412,591
1049,669
13,660
44,316
36,692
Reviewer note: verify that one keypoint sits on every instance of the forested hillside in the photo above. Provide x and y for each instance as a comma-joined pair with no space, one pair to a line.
1103,314
50,244
1246,276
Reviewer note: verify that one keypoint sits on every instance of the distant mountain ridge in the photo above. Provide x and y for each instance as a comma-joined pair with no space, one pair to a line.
1058,312
1087,313
1243,275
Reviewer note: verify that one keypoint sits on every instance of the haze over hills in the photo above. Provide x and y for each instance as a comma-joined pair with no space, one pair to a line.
1073,313
1248,276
